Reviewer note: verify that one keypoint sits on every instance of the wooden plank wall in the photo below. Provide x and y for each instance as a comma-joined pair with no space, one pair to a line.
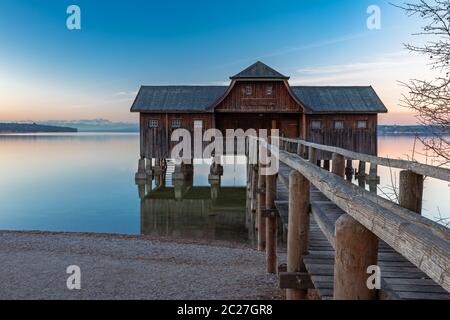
156,141
259,101
351,138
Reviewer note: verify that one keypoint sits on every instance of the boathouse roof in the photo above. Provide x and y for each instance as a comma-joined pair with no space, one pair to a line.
317,99
339,99
177,98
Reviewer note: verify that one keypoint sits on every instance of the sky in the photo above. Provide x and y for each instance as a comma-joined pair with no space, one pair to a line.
48,72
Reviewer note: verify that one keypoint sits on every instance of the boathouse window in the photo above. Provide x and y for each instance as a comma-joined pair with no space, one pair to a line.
361,124
339,124
316,124
153,123
198,123
248,90
269,90
176,123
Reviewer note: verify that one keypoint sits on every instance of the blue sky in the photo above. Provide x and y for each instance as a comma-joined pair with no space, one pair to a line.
50,72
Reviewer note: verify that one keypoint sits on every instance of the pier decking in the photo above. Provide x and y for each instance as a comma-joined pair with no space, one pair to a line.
340,230
400,278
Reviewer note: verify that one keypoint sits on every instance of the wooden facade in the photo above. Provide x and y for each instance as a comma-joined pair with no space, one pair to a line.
260,98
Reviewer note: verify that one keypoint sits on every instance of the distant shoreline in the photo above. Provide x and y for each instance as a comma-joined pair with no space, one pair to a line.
104,126
6,128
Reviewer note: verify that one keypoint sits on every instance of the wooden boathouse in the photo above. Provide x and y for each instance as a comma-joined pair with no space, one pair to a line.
343,241
259,97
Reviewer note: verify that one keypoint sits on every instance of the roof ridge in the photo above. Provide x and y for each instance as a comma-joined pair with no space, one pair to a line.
259,70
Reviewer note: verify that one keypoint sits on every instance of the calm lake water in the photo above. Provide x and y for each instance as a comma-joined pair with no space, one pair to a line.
85,182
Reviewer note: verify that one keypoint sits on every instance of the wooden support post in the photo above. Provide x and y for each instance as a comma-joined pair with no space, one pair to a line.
271,225
298,229
373,179
356,250
349,170
411,191
338,165
261,206
362,169
312,155
326,165
140,174
254,189
300,149
148,167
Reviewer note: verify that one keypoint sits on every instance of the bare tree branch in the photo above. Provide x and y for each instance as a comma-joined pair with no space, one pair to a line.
430,99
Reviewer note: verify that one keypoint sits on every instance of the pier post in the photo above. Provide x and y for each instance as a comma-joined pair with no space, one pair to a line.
300,150
148,168
349,170
312,155
356,250
271,224
141,188
362,169
411,191
157,169
140,174
260,208
326,165
254,189
338,165
373,179
298,229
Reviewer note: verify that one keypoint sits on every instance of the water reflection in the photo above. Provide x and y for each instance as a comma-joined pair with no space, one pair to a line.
182,210
85,183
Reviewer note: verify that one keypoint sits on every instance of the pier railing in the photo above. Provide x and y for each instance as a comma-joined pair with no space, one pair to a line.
368,218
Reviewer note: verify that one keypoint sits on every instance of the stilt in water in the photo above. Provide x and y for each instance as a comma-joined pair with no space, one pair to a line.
140,174
349,170
326,165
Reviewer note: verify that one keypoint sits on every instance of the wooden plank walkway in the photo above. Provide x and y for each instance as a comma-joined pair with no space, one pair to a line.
400,278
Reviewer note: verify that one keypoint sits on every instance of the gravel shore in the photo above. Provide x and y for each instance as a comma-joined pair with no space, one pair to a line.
33,266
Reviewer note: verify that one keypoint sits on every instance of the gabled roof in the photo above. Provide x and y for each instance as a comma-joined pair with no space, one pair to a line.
339,99
203,98
176,98
259,70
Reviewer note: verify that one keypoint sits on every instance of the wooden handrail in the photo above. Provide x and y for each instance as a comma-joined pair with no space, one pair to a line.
425,245
416,167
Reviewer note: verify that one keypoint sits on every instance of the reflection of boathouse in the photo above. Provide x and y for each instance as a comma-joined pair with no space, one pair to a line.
194,212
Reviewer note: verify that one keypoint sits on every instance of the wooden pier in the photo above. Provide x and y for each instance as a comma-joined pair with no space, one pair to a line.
340,236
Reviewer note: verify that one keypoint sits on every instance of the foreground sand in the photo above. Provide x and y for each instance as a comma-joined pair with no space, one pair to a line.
33,266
